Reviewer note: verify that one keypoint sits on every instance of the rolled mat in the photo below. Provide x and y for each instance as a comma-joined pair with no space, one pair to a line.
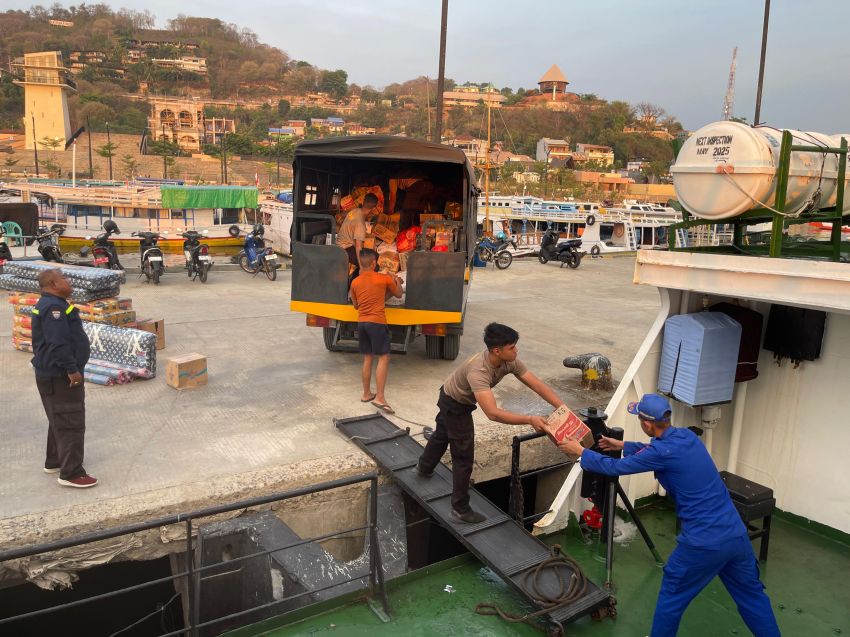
125,348
81,277
78,295
98,379
138,372
120,376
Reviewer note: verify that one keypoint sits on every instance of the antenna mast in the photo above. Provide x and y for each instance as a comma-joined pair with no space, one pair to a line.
729,100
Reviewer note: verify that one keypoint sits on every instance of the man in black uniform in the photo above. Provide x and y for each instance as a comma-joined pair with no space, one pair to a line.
61,350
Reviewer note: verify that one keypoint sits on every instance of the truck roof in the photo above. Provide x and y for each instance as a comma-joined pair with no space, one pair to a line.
386,147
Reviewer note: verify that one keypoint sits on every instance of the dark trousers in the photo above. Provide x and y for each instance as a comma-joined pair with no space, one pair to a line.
352,259
455,431
65,407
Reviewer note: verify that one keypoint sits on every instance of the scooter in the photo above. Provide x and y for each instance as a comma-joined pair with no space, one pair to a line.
256,256
48,245
566,252
197,254
151,255
5,252
103,251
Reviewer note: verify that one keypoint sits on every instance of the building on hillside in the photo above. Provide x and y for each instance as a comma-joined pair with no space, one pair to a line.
284,132
132,56
192,64
552,82
335,125
606,182
68,24
46,85
183,121
527,177
553,149
474,149
298,125
470,95
359,129
601,155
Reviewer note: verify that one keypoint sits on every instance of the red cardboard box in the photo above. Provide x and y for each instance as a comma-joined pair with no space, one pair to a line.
562,424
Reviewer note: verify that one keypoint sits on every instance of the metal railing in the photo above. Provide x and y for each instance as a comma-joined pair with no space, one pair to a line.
516,499
192,573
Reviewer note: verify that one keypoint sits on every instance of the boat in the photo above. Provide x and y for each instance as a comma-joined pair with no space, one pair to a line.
78,210
603,230
277,216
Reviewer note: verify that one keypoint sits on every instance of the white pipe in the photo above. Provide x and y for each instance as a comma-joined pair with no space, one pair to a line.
737,423
684,301
709,434
74,164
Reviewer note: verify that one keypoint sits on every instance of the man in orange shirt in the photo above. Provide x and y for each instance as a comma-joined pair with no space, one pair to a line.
368,294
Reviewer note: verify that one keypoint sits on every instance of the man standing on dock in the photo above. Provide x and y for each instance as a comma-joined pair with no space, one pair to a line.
713,541
469,385
369,292
61,350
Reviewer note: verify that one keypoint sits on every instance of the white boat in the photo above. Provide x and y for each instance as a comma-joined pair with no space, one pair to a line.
277,217
602,230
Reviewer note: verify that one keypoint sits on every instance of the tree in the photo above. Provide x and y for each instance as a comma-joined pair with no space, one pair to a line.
649,113
51,144
166,149
107,151
10,163
283,107
335,83
129,166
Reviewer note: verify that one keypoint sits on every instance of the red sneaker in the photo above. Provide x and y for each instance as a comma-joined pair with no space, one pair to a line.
82,482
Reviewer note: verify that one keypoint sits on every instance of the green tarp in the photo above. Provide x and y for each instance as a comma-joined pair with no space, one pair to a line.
208,196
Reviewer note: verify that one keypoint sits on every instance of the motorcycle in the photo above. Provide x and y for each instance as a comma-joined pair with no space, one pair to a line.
256,255
151,255
48,245
5,252
103,251
566,252
488,250
197,254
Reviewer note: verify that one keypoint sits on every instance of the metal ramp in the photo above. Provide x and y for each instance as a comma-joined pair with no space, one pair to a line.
499,542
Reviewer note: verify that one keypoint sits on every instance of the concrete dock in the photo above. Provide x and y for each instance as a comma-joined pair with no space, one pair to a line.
264,423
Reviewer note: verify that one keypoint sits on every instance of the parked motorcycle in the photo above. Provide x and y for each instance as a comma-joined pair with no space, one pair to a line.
150,254
5,252
256,255
197,254
496,252
103,251
566,252
48,245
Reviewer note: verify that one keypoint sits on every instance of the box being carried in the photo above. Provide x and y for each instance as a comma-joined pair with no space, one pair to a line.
562,424
383,233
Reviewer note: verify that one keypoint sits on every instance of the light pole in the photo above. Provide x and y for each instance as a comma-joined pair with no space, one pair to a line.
761,62
441,78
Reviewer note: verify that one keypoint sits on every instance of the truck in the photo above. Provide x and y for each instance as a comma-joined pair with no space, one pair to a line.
326,172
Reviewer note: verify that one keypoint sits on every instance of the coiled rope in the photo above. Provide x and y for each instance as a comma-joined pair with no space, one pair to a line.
568,592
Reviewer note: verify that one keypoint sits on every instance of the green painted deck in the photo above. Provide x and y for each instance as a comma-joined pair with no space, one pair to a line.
806,577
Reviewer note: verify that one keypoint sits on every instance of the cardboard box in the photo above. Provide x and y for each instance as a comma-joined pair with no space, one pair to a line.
423,218
369,242
389,261
455,209
186,371
562,424
443,239
383,233
347,203
390,221
154,326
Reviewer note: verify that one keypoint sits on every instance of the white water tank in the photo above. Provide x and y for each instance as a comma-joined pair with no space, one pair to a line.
727,168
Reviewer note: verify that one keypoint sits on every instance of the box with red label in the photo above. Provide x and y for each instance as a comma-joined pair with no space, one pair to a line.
562,424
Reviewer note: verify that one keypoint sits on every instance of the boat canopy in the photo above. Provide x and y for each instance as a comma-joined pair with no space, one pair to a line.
386,147
208,196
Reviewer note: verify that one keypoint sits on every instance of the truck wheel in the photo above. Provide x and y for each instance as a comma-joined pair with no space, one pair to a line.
329,334
433,346
451,346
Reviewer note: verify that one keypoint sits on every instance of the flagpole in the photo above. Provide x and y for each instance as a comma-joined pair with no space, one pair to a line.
74,165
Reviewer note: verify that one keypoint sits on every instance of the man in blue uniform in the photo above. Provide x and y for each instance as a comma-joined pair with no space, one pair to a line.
61,350
713,540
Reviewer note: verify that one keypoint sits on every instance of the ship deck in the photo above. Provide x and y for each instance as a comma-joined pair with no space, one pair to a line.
805,577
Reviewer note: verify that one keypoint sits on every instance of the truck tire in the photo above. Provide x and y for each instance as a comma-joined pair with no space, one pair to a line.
329,334
451,346
433,346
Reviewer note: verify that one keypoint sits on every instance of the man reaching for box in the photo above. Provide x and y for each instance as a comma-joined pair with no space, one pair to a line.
472,384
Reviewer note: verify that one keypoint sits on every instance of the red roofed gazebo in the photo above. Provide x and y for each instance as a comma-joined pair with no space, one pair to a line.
553,81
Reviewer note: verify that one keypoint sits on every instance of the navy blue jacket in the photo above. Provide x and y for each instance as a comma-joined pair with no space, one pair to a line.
683,467
59,343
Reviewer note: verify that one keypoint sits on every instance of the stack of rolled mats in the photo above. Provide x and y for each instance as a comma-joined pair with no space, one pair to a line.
87,284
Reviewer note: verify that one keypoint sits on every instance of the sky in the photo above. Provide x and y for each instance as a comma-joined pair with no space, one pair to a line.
674,53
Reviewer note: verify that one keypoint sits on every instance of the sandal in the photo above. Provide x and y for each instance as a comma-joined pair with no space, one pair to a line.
368,400
384,408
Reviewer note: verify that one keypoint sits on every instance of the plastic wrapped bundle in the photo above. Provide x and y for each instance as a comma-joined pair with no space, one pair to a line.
120,376
80,276
78,295
98,379
136,372
123,347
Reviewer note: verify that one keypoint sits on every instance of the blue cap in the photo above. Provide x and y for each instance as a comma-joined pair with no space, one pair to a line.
651,407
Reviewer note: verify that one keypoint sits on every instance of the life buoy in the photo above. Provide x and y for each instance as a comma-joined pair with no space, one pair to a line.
594,251
591,219
234,231
619,230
